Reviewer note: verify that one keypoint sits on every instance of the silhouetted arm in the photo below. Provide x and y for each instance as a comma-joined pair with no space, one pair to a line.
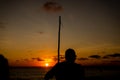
50,73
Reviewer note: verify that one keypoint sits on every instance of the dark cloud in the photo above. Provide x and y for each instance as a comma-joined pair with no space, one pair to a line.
55,58
116,55
62,57
95,56
40,32
38,59
52,6
26,59
105,57
82,58
118,61
17,60
112,55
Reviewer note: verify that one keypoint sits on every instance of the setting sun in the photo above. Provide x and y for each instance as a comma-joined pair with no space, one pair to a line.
46,64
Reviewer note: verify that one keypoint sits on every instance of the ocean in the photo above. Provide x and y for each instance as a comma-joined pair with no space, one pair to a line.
37,73
27,73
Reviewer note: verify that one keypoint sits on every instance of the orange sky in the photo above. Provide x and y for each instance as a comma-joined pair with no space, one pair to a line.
29,34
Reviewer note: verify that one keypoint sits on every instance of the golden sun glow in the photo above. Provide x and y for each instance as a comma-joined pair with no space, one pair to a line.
46,64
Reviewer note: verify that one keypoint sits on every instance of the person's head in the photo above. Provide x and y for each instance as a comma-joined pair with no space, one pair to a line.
70,55
1,57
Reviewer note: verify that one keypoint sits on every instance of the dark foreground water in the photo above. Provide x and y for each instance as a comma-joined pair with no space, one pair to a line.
91,73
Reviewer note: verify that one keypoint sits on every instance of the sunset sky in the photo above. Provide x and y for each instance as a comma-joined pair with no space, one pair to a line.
29,31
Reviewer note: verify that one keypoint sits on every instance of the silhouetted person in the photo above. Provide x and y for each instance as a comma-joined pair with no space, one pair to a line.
67,70
4,68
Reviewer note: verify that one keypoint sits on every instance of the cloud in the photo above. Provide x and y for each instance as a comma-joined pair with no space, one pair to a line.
38,59
115,55
17,60
118,61
82,58
112,55
40,32
26,60
55,58
105,57
95,56
52,6
62,57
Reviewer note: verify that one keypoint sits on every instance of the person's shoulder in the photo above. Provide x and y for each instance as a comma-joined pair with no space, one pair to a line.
60,63
78,65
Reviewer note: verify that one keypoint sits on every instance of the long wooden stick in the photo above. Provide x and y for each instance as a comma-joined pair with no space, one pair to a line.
59,39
